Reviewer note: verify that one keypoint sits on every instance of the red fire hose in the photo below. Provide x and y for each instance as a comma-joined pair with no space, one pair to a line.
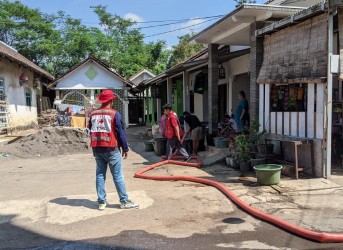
302,232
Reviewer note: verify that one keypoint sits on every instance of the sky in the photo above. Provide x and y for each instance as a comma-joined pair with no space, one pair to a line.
146,11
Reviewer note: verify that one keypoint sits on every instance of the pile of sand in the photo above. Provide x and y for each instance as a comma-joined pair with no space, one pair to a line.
49,142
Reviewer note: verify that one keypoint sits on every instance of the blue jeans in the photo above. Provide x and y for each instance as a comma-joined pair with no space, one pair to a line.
114,160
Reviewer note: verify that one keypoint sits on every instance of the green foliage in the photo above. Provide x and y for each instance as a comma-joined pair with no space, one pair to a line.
58,42
183,50
255,136
242,144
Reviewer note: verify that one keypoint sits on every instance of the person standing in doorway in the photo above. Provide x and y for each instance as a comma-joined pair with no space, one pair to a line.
107,137
194,127
172,133
242,112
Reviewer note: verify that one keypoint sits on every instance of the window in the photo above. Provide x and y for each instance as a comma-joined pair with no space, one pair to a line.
2,89
288,98
28,97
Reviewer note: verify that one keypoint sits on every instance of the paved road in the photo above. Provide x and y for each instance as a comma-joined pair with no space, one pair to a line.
49,203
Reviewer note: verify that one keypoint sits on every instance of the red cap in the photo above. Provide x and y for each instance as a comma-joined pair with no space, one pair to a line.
106,96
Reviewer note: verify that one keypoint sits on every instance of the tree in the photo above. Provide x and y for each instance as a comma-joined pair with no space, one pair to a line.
183,50
127,52
241,2
57,42
28,30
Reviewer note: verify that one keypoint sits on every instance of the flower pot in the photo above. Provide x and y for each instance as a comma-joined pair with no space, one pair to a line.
235,163
253,149
229,161
244,166
257,161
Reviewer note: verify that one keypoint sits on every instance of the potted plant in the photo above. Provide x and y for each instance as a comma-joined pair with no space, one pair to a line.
243,152
256,139
231,159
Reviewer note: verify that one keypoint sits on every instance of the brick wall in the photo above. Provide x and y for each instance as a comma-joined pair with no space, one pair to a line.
256,59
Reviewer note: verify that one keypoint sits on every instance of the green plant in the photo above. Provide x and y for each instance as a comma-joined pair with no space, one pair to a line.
255,136
242,144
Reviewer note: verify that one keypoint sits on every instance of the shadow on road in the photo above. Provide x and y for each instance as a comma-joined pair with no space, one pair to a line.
80,203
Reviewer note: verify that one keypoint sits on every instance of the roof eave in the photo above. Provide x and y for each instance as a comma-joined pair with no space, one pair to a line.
292,20
240,8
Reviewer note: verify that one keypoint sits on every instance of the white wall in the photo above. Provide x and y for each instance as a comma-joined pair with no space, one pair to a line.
234,67
78,79
20,115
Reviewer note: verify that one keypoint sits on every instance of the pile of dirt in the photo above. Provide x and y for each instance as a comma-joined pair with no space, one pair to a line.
49,142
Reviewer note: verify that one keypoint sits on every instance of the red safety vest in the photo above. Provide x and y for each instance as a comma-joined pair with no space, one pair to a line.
103,128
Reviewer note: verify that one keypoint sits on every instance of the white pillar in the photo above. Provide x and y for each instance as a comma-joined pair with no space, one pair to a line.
92,96
329,98
57,94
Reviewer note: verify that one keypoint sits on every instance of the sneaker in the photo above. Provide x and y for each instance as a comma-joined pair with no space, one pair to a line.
128,205
102,206
188,159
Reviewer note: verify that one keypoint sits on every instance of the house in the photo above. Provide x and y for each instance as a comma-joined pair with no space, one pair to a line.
231,49
137,103
238,29
293,89
287,52
23,90
316,72
77,90
185,84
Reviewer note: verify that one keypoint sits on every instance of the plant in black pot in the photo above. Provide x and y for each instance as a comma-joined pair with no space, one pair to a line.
256,139
243,152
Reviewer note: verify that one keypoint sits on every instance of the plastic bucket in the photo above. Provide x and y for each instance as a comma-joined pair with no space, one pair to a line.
222,143
216,140
160,146
268,174
149,145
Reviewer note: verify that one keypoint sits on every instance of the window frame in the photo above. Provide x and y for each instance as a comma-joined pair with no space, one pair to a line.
28,97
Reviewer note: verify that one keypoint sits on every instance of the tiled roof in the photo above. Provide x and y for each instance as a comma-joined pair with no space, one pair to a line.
12,55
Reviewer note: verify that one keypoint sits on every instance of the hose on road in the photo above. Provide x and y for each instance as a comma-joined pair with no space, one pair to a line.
299,231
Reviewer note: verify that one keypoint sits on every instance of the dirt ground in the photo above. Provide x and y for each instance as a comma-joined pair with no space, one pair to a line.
48,142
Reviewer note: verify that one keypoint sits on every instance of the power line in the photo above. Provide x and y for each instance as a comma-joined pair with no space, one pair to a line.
166,24
181,20
172,21
161,33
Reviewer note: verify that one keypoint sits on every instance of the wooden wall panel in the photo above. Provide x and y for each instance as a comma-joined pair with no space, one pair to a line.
294,124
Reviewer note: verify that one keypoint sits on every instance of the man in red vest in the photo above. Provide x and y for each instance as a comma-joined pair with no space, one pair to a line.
107,137
172,132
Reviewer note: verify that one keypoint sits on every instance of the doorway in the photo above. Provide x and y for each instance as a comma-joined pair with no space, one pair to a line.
222,101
